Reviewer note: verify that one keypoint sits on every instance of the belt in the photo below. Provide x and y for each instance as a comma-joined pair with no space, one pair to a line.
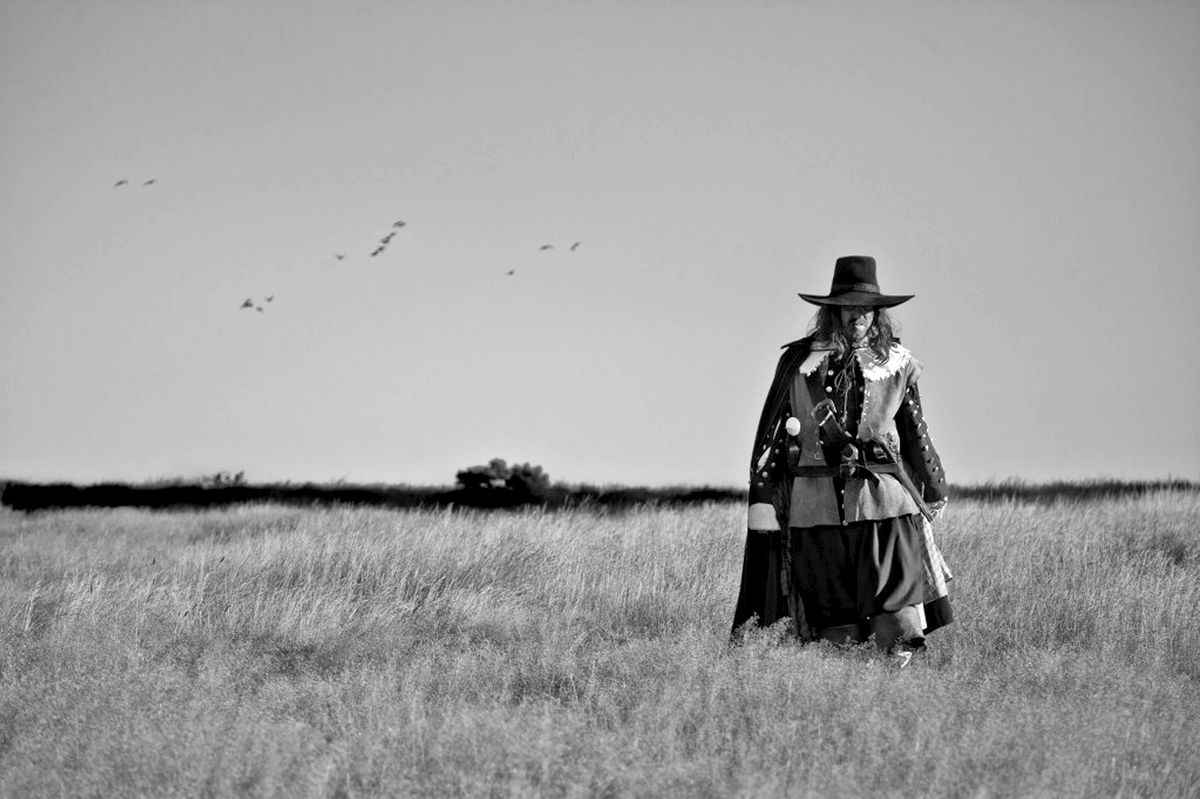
869,472
862,471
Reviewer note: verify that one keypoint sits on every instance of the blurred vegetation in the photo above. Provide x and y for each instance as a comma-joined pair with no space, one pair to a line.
521,483
494,485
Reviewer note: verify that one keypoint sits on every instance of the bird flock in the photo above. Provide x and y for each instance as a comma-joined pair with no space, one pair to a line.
387,239
380,247
250,303
545,248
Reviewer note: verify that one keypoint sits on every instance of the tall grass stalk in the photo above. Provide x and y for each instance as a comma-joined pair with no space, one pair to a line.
272,651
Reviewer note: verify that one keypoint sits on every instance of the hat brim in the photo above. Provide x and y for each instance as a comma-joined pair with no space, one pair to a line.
858,298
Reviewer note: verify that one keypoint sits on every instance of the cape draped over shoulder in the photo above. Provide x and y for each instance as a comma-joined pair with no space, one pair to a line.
766,593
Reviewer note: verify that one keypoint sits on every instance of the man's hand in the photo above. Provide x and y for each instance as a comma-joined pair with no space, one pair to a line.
936,508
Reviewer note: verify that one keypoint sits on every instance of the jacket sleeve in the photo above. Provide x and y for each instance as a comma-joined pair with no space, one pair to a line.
916,447
769,482
769,466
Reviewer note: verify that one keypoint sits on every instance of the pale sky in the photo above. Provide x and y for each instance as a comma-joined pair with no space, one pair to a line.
1029,170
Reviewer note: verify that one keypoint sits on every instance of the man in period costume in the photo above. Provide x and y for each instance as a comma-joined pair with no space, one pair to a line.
844,482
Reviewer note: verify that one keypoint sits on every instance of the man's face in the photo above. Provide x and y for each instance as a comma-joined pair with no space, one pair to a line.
856,320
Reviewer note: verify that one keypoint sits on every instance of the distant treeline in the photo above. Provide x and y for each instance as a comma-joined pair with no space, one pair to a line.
42,496
35,496
1065,490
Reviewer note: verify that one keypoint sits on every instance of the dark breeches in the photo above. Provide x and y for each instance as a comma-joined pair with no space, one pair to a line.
861,576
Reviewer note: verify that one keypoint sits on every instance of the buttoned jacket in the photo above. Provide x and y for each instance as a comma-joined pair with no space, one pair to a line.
779,500
891,415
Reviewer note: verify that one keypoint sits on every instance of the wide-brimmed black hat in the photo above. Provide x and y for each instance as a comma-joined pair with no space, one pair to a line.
854,283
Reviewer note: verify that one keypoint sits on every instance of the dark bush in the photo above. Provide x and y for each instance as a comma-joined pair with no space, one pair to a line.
497,483
528,480
480,478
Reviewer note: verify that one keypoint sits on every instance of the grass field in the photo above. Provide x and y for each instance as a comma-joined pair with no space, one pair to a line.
274,651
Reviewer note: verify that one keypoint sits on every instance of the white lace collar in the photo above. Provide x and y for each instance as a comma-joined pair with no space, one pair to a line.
872,370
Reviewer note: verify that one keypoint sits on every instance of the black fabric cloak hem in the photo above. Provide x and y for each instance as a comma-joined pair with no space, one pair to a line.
763,598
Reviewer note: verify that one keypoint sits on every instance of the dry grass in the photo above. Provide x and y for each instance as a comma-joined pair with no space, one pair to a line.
270,651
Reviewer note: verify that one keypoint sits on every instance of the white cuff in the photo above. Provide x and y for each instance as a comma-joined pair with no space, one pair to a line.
762,517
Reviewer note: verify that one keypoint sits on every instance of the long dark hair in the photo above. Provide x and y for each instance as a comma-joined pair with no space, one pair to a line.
827,326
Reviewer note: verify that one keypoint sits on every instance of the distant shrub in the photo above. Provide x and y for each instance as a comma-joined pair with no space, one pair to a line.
529,480
479,478
221,479
521,482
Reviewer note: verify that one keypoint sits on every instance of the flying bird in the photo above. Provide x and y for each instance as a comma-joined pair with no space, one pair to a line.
376,251
399,223
510,272
575,245
120,182
341,256
546,247
258,308
270,297
387,239
150,182
247,304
